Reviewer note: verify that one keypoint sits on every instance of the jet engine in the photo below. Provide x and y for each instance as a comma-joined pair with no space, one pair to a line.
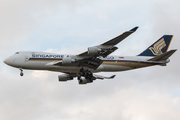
68,61
64,77
83,80
93,50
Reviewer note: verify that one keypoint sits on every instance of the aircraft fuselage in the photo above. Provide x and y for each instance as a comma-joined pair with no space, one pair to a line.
42,61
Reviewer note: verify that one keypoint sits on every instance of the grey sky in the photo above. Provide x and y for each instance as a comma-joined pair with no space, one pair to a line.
70,26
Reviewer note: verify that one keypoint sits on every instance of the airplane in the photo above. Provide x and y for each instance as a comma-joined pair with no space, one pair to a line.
95,59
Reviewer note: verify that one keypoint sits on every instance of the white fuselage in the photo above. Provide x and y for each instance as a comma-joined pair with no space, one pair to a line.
44,61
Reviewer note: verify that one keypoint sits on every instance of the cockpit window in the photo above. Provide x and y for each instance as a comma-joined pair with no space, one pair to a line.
17,53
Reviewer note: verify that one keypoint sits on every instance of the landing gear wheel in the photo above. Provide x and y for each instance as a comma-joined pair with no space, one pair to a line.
88,75
79,78
82,73
21,73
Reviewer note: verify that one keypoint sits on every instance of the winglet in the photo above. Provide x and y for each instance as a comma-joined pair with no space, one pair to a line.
134,29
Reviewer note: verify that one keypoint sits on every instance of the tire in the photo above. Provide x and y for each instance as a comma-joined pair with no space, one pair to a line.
21,74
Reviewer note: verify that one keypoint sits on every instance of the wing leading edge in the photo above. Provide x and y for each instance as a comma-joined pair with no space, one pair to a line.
121,37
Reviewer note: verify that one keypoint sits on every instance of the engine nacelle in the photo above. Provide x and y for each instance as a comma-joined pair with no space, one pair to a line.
64,77
93,50
83,80
67,61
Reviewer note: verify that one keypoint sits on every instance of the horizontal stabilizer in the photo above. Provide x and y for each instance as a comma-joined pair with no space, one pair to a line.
163,56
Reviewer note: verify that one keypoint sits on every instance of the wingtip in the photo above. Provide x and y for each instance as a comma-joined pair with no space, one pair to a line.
134,29
113,76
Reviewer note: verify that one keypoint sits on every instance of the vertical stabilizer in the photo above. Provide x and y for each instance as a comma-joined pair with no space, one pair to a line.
159,47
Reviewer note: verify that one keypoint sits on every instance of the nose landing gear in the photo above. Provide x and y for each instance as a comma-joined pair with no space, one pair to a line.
21,73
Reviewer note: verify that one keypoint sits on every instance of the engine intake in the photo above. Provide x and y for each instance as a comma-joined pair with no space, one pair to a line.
64,77
93,50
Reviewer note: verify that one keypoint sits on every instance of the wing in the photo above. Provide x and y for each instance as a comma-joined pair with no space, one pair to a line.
90,57
102,77
109,46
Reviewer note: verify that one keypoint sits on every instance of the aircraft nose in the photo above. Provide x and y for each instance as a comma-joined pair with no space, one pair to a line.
8,61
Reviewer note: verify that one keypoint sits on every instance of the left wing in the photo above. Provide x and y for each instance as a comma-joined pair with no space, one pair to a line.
102,77
83,80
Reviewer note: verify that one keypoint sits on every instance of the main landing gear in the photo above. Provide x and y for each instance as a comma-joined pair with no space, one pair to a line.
21,73
87,74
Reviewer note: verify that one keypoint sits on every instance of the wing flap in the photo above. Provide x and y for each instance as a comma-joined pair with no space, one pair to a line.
108,51
93,63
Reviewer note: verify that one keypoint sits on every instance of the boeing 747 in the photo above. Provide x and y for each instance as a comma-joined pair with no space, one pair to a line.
95,59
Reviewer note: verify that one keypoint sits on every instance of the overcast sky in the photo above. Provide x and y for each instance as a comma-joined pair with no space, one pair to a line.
70,26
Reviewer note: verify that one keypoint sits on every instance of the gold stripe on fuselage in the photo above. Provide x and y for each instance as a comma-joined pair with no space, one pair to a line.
132,64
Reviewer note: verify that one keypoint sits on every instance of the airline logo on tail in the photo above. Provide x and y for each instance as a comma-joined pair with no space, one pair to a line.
157,47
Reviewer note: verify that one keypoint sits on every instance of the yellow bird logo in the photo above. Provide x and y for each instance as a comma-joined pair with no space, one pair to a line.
157,47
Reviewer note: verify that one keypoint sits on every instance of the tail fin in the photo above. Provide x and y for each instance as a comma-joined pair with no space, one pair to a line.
159,47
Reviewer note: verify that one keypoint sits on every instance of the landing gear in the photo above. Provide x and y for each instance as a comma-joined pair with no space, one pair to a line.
82,72
87,74
21,73
79,78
